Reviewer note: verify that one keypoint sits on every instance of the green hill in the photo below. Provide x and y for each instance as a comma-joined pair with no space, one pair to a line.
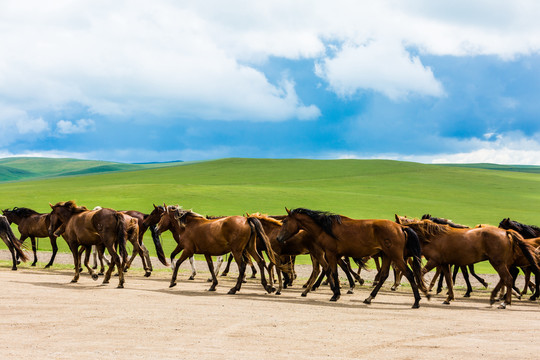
356,188
24,168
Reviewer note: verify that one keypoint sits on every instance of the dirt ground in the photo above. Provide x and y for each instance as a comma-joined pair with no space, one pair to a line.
44,316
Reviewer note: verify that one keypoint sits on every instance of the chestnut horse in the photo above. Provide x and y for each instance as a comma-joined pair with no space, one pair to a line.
11,242
443,245
82,227
215,237
32,224
340,236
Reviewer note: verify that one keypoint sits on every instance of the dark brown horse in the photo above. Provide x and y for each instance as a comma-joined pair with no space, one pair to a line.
11,242
340,236
443,245
299,244
198,235
32,224
528,232
82,227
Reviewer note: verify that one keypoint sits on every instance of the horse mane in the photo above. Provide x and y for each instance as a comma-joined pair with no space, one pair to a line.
525,230
22,212
266,218
443,221
181,215
324,219
72,206
426,229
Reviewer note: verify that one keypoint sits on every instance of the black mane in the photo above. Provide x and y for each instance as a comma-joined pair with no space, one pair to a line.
324,219
527,231
443,221
22,212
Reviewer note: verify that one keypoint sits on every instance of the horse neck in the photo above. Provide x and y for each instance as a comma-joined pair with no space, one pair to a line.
13,218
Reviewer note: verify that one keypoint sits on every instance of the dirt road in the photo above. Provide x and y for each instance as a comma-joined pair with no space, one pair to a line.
43,316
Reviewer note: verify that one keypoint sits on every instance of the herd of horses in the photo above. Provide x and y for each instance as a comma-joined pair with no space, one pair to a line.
331,240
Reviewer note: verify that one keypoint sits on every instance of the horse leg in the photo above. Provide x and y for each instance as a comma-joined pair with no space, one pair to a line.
175,252
506,279
262,265
94,256
210,264
383,275
193,270
347,270
219,262
115,260
54,251
228,266
333,275
527,273
397,278
76,260
435,278
253,269
440,283
482,281
446,272
314,273
409,275
88,249
34,250
145,255
466,277
238,257
455,272
186,254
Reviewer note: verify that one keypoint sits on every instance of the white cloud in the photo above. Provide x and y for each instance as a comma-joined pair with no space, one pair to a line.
196,59
512,148
80,126
380,67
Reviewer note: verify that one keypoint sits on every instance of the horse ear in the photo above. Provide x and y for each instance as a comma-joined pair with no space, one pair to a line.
288,211
398,220
155,207
51,205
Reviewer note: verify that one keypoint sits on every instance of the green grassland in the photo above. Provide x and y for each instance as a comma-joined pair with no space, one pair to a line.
468,195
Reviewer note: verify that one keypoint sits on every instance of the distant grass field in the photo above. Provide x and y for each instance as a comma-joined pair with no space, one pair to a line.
357,188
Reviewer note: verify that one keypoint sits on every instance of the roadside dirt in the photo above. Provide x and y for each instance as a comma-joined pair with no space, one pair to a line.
43,315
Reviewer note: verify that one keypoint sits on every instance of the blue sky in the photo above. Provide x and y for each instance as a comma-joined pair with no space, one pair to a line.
134,81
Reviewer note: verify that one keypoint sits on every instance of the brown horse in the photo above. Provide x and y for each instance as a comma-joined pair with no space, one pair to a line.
443,245
299,244
340,236
32,224
11,242
82,227
198,235
528,232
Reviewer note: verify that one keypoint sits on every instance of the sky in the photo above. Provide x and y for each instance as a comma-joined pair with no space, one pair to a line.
137,81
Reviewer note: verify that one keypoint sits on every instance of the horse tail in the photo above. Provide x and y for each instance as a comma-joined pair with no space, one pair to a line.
526,249
12,242
259,231
415,250
121,235
157,243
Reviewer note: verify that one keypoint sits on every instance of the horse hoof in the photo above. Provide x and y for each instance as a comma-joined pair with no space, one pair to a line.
467,295
105,282
101,273
48,266
393,288
212,289
253,276
147,274
33,264
94,277
73,281
361,282
18,262
303,295
172,285
191,278
278,292
350,292
207,280
428,296
224,274
367,301
232,292
334,298
14,268
502,306
415,306
533,298
304,286
120,286
446,302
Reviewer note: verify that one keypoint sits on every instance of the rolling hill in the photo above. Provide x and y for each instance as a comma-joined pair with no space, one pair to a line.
356,188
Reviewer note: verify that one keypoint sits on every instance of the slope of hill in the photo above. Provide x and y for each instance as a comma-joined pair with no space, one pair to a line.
24,168
355,188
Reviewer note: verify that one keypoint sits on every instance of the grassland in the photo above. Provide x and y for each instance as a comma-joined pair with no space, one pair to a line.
357,188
